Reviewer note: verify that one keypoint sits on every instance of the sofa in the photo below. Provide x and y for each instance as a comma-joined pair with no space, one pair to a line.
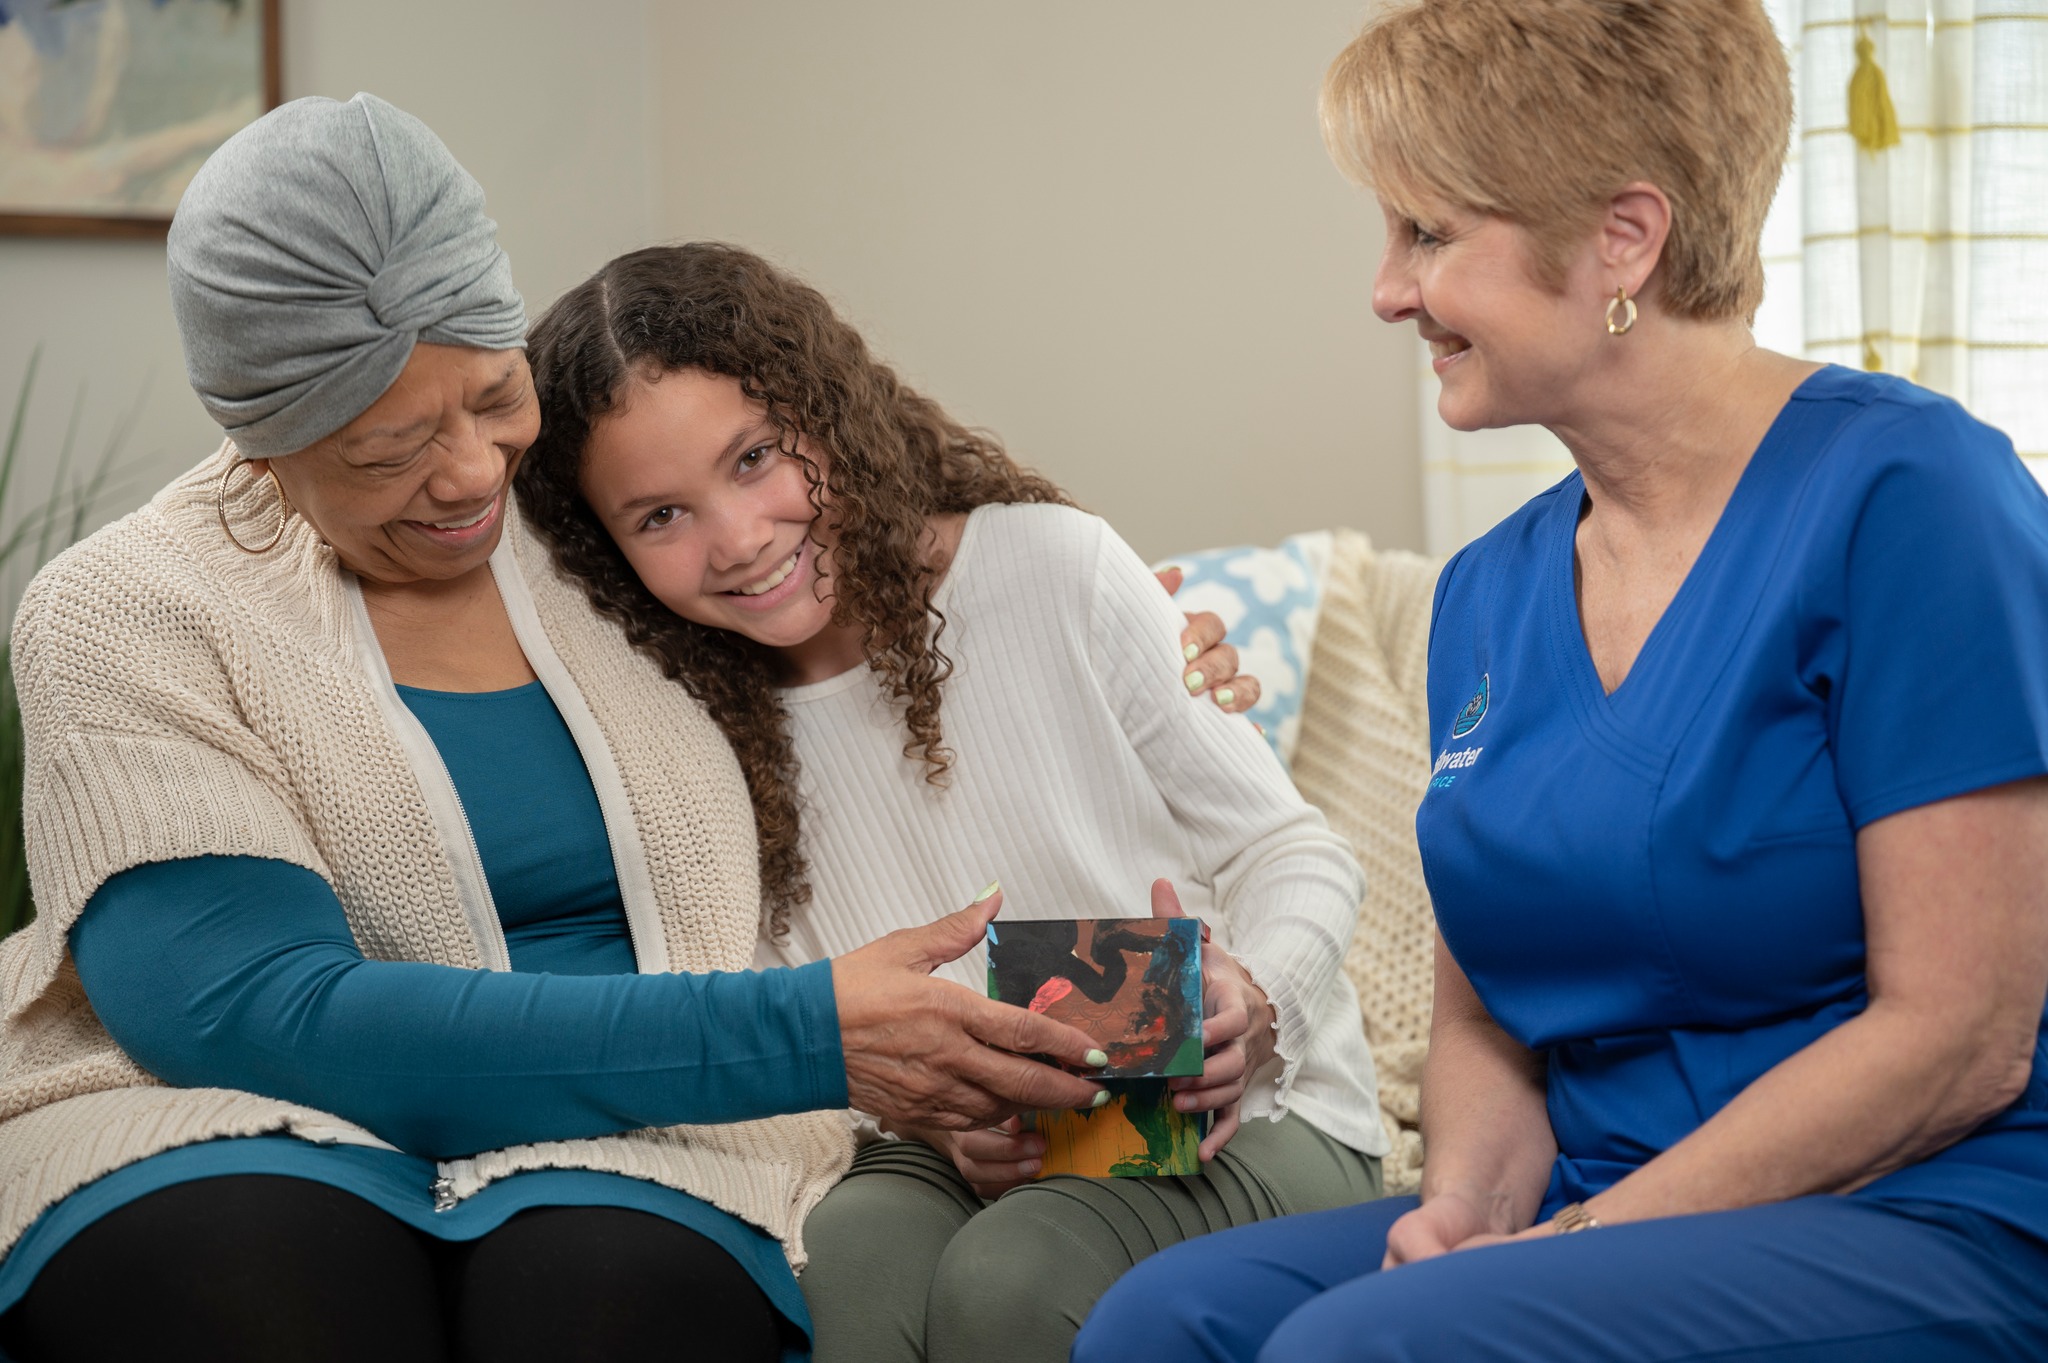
1339,632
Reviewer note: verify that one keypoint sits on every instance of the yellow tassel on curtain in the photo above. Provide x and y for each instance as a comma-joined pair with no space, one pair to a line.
1872,120
1872,361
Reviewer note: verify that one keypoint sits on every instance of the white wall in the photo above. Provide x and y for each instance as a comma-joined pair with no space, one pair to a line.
1107,231
99,312
546,104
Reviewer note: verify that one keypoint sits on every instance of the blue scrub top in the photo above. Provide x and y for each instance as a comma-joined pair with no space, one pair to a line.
1657,888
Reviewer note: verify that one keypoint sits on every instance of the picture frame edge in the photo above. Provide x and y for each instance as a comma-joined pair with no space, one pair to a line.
153,227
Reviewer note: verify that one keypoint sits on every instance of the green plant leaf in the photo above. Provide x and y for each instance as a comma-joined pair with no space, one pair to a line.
30,540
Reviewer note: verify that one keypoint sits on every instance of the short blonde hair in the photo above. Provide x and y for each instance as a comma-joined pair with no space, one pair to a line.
1537,111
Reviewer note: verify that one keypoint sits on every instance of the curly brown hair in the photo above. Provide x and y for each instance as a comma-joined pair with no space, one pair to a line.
892,460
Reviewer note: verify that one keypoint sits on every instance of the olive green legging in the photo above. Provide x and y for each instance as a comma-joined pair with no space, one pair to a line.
908,1264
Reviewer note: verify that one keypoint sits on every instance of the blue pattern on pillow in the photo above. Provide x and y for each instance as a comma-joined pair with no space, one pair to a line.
1269,599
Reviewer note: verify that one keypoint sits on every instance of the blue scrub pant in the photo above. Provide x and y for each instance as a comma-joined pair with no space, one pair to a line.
1817,1280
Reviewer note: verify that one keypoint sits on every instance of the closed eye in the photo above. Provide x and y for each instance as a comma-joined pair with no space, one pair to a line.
396,464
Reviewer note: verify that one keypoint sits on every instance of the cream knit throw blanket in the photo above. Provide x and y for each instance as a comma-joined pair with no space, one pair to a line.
180,699
1363,759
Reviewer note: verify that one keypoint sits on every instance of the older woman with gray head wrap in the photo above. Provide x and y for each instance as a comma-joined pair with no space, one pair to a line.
389,996
299,308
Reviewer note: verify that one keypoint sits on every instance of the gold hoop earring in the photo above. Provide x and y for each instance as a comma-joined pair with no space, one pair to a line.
1628,312
220,508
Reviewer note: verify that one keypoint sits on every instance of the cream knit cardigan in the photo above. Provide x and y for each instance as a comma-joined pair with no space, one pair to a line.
180,698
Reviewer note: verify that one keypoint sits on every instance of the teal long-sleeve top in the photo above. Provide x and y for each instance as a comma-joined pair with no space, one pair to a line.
241,973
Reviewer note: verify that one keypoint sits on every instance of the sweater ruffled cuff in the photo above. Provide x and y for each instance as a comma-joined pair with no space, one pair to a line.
1267,1088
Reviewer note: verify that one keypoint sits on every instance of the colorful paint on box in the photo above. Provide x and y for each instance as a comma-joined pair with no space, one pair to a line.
1136,1134
1134,984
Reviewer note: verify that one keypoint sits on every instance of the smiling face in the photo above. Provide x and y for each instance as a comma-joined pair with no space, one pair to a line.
1507,348
413,490
691,479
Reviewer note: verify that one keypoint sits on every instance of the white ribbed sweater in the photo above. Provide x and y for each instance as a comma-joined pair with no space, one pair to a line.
1082,771
180,699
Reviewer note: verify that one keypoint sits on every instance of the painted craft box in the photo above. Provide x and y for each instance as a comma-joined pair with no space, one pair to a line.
1134,984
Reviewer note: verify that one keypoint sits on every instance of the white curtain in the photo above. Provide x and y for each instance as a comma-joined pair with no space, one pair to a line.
1921,249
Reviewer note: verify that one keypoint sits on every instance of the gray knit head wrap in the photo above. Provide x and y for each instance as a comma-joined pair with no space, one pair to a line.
309,254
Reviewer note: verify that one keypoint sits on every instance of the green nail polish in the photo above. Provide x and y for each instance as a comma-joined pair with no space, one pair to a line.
989,893
1191,652
1101,1098
1095,1060
1194,681
1226,696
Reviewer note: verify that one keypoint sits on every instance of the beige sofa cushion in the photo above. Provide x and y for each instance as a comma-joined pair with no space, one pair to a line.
1363,759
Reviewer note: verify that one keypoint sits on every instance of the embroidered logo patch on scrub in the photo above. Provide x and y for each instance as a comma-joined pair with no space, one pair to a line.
1474,711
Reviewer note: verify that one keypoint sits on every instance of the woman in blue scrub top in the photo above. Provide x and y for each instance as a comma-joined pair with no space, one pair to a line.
1737,834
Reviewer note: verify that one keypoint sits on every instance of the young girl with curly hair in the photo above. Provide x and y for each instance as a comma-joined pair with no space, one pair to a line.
933,668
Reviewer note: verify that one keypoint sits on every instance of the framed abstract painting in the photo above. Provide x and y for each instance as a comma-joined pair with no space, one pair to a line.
107,107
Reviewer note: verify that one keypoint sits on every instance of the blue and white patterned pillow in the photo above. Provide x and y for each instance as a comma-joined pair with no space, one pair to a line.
1270,600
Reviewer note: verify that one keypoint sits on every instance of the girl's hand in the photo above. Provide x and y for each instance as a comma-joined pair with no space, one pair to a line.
993,1160
1210,663
1237,1033
1446,1222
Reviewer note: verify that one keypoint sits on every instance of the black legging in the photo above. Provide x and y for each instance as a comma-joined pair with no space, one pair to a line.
259,1267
